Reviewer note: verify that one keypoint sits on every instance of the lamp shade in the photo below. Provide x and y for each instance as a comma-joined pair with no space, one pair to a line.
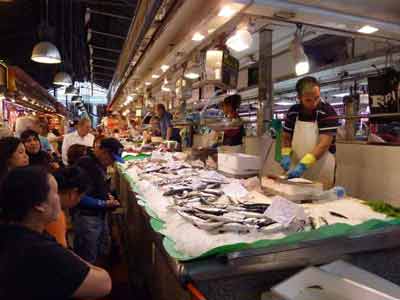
302,65
240,40
193,72
71,91
63,79
46,53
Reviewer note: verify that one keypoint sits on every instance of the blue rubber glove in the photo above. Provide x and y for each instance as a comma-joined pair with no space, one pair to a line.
298,171
286,162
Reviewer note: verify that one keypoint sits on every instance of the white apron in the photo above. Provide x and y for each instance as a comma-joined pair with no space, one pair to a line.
305,138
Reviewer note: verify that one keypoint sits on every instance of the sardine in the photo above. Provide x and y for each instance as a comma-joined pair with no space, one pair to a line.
237,227
335,214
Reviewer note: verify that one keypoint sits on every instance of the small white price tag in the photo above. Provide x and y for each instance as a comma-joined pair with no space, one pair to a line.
235,190
284,211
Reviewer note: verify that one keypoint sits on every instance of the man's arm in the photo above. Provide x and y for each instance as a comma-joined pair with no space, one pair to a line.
96,284
64,150
325,141
169,133
286,140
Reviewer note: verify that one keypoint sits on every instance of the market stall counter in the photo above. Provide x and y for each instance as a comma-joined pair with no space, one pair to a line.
237,266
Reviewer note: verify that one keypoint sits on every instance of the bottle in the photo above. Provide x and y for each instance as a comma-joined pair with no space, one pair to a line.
335,193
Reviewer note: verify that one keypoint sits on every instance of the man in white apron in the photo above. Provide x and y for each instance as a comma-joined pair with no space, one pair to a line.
309,136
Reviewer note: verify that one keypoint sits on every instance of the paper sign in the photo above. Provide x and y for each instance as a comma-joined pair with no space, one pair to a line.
284,211
235,190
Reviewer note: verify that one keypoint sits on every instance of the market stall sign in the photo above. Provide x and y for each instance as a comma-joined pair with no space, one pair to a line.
3,77
230,70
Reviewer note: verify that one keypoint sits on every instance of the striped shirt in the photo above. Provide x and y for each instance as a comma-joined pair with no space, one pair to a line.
324,115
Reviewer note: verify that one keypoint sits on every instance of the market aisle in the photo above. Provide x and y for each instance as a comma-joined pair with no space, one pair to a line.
117,266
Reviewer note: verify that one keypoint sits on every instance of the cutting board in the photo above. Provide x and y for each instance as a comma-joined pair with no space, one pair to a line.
290,191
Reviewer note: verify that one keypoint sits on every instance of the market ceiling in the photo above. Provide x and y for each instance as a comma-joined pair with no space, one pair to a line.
70,21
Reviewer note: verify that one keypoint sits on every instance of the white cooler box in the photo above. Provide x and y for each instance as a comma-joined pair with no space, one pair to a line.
239,163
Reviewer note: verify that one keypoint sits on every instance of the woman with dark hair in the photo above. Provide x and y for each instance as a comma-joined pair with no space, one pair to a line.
34,150
26,251
12,155
72,184
233,136
75,152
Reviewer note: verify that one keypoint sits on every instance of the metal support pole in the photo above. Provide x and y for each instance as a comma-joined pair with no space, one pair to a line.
105,49
103,67
97,12
116,36
104,74
104,59
265,87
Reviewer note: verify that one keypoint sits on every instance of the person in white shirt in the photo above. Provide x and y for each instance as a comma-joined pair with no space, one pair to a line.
81,137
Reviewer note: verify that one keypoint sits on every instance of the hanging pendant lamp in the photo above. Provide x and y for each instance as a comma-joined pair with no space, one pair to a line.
62,78
301,62
46,53
71,91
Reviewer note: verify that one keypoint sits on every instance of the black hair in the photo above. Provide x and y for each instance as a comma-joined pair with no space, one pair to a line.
21,190
25,135
305,83
72,178
56,132
75,152
161,106
8,146
234,101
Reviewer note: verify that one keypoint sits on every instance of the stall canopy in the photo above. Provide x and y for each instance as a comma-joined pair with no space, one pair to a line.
29,93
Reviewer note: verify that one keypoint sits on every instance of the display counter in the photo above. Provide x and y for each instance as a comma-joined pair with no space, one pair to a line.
243,274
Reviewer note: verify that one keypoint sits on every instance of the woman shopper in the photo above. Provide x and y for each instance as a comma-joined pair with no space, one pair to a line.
72,184
33,265
12,155
34,150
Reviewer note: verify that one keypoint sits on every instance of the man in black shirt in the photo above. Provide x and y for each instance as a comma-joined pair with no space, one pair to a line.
309,135
90,223
33,266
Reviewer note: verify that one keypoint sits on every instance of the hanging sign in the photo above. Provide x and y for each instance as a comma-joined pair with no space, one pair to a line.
230,70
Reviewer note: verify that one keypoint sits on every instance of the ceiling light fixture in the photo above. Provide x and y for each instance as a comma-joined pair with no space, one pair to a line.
166,87
193,72
240,40
155,76
164,68
302,65
62,78
226,11
341,95
46,53
147,83
285,103
71,91
368,29
198,37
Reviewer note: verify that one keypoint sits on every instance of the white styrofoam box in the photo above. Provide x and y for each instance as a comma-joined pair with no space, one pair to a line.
349,271
238,163
333,287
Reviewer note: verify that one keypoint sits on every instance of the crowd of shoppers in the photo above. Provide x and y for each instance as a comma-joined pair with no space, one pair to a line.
39,194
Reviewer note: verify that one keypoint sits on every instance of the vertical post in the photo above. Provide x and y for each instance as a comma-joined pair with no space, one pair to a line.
265,87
